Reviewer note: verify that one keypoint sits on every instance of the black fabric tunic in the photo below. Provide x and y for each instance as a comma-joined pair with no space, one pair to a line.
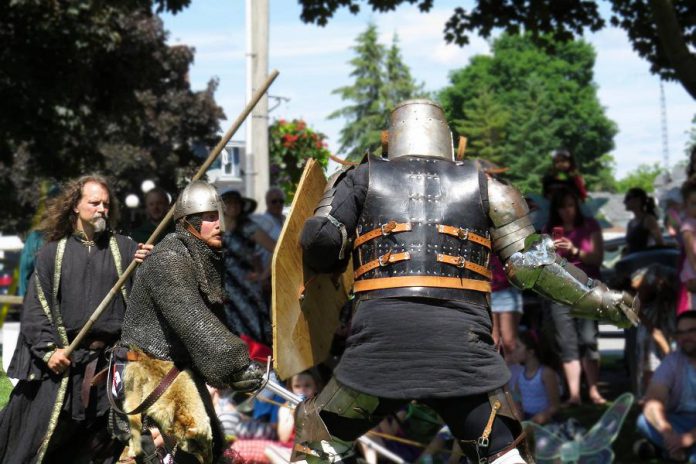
87,275
404,347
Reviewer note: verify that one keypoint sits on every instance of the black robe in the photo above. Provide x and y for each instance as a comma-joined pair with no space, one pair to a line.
86,276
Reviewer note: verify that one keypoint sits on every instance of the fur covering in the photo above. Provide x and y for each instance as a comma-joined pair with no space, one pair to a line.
179,413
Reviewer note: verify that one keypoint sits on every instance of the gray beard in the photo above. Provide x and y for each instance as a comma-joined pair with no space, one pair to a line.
99,225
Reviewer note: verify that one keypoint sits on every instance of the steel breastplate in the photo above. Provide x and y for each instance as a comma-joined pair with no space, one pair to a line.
423,232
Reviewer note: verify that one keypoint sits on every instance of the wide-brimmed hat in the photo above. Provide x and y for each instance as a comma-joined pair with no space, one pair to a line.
248,204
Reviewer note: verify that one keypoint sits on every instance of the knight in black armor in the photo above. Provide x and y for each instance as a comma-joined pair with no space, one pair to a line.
422,227
173,328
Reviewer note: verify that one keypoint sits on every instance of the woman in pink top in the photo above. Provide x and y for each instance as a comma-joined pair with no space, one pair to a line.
578,239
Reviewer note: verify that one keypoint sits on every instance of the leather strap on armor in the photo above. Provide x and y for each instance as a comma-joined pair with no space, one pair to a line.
391,227
464,234
422,281
384,260
459,261
134,356
344,234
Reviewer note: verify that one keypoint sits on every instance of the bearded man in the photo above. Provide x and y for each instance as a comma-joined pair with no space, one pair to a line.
174,329
669,415
57,411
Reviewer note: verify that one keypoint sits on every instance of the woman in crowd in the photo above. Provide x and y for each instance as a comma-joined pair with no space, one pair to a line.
578,239
245,309
643,230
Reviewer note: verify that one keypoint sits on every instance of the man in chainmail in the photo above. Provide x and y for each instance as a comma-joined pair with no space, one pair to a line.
422,226
175,319
58,410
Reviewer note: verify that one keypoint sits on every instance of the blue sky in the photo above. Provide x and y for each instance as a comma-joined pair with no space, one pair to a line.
313,61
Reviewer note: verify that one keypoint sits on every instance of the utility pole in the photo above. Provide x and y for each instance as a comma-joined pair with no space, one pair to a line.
257,165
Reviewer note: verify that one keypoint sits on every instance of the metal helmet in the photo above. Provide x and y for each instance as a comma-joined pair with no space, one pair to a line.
419,128
199,197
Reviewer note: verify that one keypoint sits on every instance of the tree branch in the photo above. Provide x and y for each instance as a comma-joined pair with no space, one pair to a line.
674,44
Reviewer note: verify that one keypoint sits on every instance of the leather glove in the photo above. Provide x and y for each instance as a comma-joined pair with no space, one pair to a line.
248,379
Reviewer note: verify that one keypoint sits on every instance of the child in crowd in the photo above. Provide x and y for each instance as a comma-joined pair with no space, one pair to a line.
537,386
564,174
306,386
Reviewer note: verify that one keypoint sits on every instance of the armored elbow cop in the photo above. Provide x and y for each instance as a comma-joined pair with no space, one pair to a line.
539,268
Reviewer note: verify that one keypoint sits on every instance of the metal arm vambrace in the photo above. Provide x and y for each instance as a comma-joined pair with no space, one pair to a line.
531,262
537,267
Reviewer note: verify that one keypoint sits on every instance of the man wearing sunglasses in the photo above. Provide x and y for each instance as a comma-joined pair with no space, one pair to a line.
669,415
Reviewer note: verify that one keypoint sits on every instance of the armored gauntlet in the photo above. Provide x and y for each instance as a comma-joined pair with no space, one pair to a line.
248,379
537,267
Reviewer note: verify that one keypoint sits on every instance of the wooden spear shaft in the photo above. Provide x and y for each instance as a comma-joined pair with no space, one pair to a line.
165,221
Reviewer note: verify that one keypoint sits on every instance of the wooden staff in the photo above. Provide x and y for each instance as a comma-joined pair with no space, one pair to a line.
165,221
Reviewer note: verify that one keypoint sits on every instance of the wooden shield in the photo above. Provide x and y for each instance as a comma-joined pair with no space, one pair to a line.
305,306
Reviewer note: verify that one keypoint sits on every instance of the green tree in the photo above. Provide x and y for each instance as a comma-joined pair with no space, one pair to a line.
291,144
485,126
551,100
660,31
92,86
366,116
400,85
643,176
381,80
602,174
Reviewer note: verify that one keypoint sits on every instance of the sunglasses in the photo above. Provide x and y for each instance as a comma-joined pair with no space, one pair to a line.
691,331
276,201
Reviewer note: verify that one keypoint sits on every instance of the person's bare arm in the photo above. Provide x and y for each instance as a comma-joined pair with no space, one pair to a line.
548,378
262,238
286,423
661,341
655,412
654,228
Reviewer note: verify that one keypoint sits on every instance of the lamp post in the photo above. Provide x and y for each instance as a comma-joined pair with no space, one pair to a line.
132,202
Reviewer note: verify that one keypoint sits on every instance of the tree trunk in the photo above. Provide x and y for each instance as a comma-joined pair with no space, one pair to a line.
674,44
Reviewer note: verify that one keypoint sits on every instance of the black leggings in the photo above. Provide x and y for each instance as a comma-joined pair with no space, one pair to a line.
466,417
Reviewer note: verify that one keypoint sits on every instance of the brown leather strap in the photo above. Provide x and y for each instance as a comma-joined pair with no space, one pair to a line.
384,260
459,261
391,227
514,444
90,369
100,377
154,395
464,234
483,441
367,285
134,356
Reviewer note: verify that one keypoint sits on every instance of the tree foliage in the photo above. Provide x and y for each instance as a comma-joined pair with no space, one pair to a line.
381,79
643,177
291,144
660,31
520,103
92,86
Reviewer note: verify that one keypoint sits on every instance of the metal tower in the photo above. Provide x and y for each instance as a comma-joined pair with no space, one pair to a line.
665,139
